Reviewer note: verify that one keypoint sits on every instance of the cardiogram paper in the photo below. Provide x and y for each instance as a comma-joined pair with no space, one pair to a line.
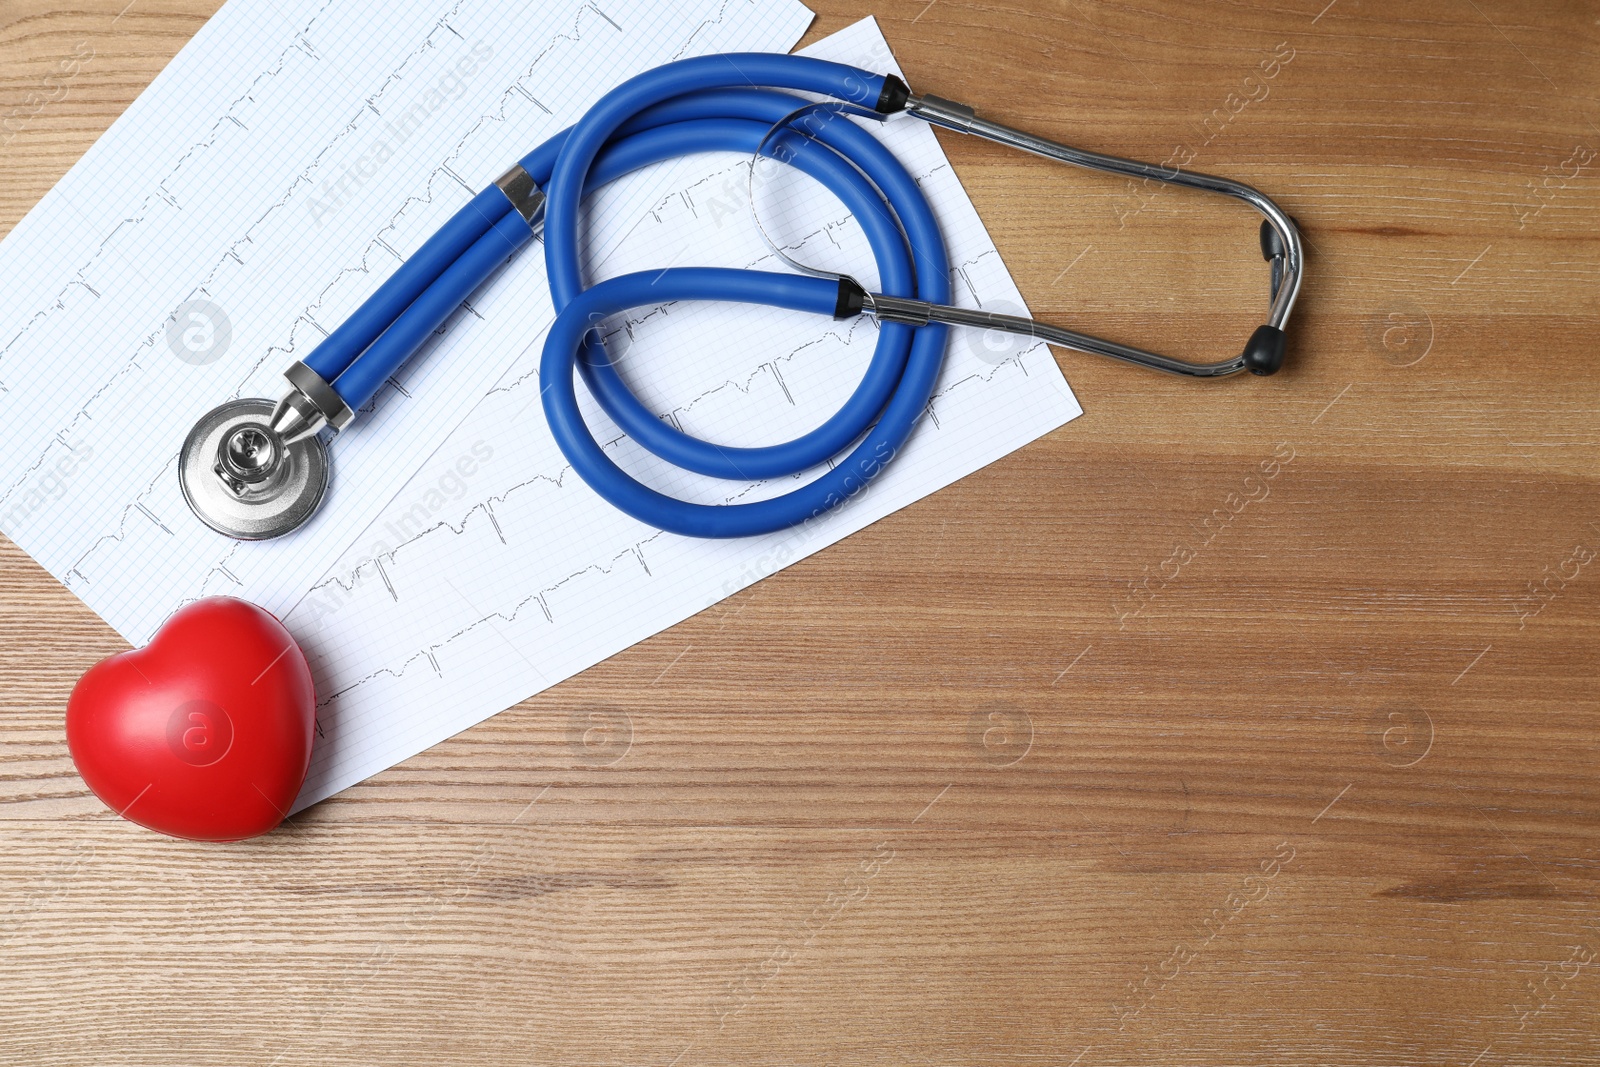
263,185
496,572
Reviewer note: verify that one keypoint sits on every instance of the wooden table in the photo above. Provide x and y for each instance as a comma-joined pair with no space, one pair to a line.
1238,722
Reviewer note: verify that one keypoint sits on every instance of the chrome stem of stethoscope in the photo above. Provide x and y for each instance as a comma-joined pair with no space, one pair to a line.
310,405
1280,245
920,313
962,119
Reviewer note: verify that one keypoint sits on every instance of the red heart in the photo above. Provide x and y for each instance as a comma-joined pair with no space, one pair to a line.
204,733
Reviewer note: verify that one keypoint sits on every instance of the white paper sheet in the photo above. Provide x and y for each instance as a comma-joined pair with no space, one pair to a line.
263,186
496,572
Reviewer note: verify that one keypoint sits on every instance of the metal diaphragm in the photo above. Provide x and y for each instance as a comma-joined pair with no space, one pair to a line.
241,480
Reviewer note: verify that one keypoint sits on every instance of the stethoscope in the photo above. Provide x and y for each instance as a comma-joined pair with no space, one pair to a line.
252,469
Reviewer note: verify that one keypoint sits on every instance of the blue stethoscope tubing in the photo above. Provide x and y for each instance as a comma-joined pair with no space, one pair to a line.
703,104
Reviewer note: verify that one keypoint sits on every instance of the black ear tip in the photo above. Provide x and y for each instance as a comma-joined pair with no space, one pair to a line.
1264,353
1271,243
893,97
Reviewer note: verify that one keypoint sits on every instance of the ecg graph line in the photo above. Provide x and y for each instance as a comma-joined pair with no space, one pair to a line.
162,194
541,596
372,673
771,366
747,386
78,280
347,586
308,175
430,652
305,178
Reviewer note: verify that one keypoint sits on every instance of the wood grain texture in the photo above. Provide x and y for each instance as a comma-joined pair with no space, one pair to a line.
1120,751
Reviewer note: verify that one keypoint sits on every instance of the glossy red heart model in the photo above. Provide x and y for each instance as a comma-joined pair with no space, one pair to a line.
204,733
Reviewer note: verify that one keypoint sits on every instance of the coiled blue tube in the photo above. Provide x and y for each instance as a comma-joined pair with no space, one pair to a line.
435,304
352,337
905,367
696,105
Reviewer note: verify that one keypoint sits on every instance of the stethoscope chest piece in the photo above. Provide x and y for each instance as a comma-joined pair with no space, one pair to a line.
241,478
